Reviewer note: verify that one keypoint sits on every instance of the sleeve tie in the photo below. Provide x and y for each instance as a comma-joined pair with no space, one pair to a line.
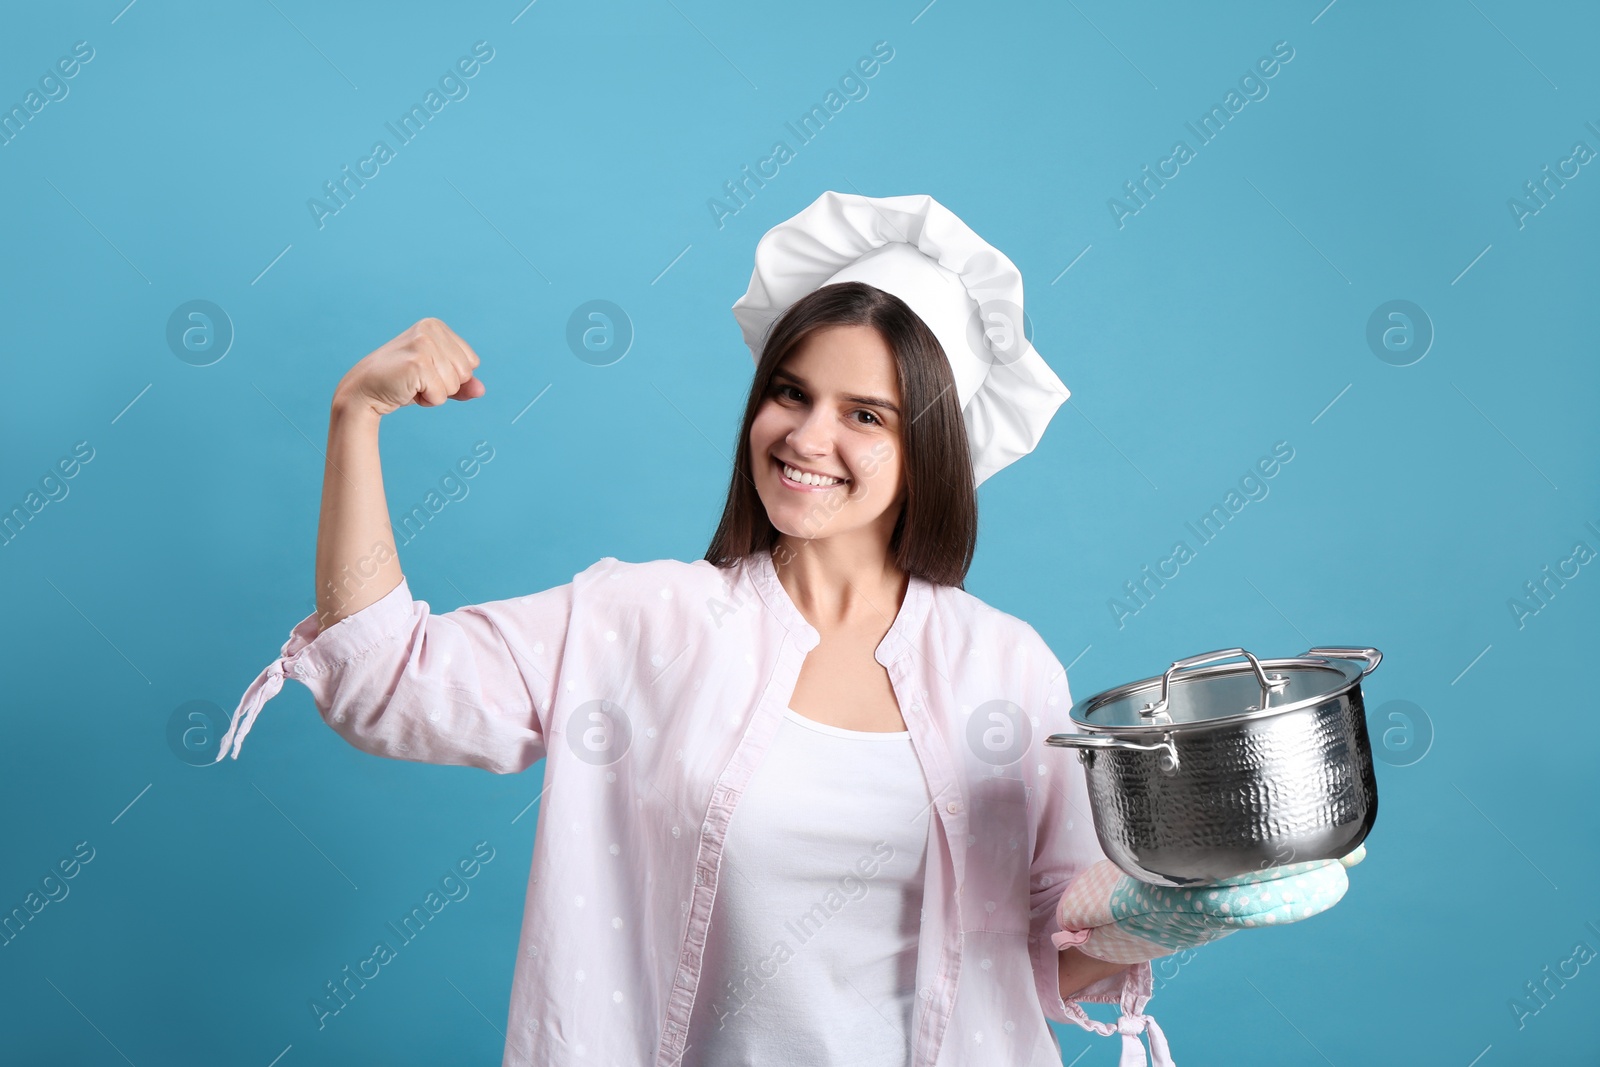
266,686
1130,1024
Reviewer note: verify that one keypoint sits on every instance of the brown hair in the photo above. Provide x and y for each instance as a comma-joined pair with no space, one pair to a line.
937,531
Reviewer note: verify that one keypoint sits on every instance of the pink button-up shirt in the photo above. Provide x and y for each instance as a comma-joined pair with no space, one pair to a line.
652,690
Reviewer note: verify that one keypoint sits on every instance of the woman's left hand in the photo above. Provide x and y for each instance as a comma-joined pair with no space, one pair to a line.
1119,919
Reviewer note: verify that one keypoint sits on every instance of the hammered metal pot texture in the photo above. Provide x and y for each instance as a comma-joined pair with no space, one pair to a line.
1244,796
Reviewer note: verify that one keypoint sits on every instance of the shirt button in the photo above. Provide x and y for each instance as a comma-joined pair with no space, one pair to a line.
952,807
925,993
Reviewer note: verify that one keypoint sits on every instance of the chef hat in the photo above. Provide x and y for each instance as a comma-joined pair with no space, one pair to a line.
966,291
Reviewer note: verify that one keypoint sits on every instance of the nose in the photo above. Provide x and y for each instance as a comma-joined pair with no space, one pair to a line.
812,437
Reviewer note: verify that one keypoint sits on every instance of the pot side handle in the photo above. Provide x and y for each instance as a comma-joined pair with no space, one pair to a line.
1169,751
1371,656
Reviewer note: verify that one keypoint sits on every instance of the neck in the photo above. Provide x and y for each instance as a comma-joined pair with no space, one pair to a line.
837,584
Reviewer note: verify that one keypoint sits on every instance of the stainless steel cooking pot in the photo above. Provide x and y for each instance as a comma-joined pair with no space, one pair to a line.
1210,772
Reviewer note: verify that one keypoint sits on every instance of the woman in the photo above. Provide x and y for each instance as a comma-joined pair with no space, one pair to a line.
888,891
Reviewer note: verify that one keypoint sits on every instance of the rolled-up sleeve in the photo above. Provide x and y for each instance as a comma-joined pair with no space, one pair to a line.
1064,844
473,686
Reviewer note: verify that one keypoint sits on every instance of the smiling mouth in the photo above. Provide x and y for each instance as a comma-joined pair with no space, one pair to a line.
801,480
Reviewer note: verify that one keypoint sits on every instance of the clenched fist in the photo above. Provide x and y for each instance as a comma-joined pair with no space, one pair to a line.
425,365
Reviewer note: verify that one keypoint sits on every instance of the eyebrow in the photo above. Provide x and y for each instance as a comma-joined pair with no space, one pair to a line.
871,401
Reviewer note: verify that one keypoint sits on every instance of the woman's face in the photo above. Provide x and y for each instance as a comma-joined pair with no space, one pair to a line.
831,410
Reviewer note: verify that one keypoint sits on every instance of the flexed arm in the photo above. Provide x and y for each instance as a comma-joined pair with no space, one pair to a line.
356,559
473,686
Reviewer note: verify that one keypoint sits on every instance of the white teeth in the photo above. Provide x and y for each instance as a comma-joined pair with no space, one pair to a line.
808,479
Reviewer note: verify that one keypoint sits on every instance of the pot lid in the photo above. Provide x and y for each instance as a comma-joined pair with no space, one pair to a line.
1189,694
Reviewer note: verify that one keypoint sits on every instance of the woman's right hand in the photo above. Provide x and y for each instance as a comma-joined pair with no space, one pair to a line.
425,365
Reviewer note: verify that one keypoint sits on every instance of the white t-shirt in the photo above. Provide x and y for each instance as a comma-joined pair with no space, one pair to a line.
811,956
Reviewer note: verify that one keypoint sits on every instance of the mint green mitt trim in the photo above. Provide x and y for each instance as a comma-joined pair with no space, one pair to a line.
1185,918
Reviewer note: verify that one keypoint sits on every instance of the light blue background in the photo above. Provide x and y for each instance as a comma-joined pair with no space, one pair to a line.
1229,314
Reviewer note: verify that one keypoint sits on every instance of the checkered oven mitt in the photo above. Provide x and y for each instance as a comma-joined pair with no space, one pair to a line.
1113,917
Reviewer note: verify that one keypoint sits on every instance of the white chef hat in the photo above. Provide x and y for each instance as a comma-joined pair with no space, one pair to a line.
966,291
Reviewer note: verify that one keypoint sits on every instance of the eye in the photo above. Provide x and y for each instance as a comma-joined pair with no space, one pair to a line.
871,415
779,389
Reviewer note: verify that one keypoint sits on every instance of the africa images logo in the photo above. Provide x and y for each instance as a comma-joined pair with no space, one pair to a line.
1210,124
851,886
452,87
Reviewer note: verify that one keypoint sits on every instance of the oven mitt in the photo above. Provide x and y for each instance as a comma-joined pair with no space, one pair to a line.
1119,919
